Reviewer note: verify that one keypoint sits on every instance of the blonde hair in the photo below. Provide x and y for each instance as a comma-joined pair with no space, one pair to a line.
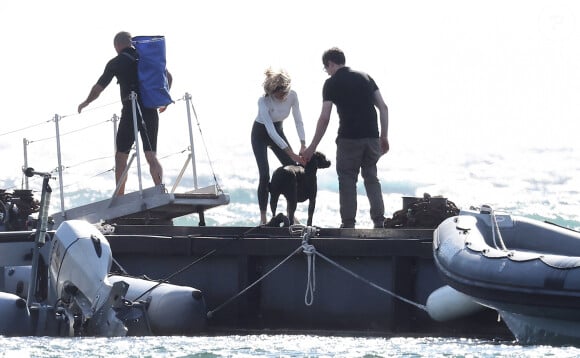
276,81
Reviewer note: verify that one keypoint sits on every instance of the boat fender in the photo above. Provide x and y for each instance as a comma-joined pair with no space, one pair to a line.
446,303
15,315
16,280
170,309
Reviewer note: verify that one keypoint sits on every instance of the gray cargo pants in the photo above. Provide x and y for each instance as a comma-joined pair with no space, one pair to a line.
353,155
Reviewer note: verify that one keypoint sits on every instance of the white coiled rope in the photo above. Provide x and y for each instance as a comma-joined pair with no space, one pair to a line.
310,251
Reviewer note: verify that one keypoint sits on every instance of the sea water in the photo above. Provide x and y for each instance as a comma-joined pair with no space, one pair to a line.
272,346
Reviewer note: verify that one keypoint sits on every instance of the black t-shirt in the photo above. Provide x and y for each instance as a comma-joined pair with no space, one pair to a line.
125,69
353,94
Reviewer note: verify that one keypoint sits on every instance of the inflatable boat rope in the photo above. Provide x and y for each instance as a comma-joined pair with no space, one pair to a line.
494,227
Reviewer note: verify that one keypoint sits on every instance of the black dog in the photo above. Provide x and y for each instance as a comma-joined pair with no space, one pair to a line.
297,184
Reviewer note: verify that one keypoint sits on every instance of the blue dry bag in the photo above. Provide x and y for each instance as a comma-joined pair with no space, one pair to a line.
151,71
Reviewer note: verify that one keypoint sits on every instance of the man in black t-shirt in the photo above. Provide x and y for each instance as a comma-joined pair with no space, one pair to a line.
359,145
124,68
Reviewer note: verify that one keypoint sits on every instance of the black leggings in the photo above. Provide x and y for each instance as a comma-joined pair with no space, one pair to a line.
260,143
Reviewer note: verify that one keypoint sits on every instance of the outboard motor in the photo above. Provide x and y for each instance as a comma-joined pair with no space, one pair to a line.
80,259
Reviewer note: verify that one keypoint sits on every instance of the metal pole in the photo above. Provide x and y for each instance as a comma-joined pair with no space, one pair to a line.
178,180
25,145
39,238
115,119
191,148
136,133
60,181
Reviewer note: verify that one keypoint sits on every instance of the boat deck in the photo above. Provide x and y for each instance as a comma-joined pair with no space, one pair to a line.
151,206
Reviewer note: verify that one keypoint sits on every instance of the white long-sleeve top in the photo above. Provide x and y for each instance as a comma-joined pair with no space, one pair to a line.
272,110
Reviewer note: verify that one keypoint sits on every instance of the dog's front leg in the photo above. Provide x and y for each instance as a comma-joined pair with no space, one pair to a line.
311,206
292,204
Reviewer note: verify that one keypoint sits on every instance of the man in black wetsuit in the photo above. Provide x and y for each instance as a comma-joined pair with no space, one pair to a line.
124,68
358,144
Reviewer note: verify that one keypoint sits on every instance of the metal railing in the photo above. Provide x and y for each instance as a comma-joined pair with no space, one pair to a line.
191,159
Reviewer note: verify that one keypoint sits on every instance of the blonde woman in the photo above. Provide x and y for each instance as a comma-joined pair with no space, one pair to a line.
273,108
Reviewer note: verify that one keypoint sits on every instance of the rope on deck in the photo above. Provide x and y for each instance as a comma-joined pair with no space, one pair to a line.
211,313
370,283
310,251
